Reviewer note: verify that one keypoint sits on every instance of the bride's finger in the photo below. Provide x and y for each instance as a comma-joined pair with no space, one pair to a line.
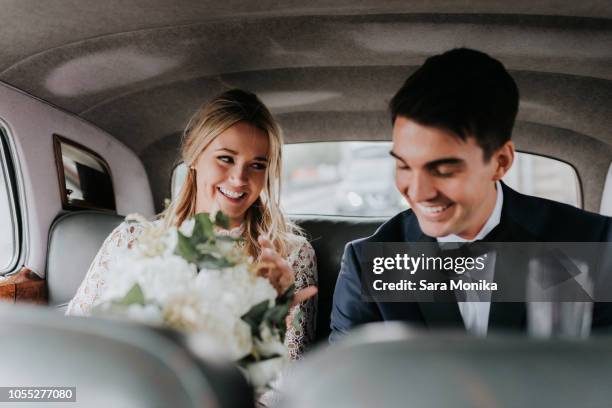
303,295
264,268
264,242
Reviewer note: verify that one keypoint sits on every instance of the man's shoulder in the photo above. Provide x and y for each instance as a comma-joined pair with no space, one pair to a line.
401,227
550,220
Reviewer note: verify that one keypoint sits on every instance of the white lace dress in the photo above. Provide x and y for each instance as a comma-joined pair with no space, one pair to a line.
302,260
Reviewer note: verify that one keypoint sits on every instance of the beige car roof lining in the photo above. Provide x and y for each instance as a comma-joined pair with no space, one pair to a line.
139,69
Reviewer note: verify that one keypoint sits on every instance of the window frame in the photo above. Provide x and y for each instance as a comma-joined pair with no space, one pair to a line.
82,205
579,184
9,171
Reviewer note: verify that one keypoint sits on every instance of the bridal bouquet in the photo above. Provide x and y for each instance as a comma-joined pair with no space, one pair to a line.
195,280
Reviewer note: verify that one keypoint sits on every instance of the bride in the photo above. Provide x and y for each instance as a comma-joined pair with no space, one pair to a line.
232,146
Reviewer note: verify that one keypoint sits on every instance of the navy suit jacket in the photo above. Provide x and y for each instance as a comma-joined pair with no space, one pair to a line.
523,219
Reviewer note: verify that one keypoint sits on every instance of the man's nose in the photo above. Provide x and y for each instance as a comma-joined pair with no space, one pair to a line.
421,188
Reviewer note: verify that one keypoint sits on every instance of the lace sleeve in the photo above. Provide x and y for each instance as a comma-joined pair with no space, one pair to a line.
304,264
94,283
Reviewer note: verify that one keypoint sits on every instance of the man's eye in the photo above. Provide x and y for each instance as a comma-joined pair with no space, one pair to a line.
225,159
442,172
401,166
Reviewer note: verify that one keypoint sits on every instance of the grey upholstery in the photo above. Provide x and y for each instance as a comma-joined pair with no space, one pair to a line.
74,241
111,364
385,365
328,236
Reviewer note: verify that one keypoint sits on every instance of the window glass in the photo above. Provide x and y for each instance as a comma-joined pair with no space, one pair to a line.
178,177
544,177
341,178
9,242
85,179
357,178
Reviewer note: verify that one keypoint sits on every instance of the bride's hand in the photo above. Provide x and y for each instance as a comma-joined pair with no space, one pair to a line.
278,271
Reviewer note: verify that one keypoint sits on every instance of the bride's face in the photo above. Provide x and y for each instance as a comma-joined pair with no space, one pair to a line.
231,171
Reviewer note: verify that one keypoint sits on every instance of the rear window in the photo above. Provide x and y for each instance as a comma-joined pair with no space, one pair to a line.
84,177
357,178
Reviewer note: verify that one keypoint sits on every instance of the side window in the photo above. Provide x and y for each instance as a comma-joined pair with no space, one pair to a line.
9,217
84,177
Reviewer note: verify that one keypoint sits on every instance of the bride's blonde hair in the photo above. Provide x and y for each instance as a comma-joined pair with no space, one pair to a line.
264,217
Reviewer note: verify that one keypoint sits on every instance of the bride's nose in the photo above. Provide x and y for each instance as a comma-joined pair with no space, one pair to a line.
239,175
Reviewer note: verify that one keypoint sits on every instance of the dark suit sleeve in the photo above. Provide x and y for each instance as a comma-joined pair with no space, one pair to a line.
348,309
602,311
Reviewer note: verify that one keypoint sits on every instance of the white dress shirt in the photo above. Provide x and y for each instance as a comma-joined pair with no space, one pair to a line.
476,314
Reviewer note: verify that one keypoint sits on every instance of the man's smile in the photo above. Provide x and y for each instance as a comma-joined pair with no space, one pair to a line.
434,211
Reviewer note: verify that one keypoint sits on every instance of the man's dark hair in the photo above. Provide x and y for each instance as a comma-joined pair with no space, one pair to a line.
464,91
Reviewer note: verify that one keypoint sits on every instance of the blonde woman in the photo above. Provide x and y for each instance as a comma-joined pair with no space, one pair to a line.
232,146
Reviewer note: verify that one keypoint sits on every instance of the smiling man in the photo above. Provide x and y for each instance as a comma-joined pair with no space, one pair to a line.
452,125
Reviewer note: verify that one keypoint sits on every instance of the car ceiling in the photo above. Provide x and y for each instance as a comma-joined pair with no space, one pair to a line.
139,69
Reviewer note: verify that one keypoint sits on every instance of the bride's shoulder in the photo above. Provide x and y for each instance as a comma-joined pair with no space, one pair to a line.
300,247
128,231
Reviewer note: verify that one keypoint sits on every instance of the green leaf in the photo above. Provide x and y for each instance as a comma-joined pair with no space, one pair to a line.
296,319
286,297
210,262
133,297
186,249
255,316
203,229
222,220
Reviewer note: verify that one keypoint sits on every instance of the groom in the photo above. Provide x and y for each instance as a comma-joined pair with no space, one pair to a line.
452,122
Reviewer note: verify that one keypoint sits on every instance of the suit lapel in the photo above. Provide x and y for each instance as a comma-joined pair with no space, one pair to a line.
509,315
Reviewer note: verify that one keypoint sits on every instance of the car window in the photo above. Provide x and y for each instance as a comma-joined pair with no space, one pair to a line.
84,177
9,232
357,178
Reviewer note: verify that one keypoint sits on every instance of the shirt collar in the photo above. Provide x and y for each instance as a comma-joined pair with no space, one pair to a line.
491,223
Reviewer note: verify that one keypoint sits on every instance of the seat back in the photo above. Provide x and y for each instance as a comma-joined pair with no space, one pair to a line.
111,363
74,240
328,236
387,365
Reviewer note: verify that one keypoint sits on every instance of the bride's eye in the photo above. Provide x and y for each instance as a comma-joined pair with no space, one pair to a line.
225,159
258,166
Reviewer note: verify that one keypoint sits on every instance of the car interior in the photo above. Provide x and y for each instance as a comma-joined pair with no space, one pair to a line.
94,99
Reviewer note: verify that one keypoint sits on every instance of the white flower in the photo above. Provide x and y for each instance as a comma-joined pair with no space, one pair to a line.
263,372
208,305
159,277
224,329
234,288
270,343
149,314
155,239
186,227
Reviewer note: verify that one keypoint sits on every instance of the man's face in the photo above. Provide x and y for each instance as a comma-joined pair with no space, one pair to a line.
445,180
